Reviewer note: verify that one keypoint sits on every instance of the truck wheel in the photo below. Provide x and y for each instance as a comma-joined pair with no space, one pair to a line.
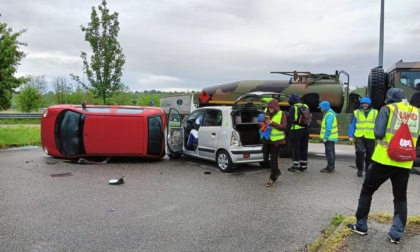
377,87
224,162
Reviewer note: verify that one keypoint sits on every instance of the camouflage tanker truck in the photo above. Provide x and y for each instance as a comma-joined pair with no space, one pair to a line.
312,88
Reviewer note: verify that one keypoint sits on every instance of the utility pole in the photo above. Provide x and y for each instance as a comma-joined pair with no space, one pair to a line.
381,37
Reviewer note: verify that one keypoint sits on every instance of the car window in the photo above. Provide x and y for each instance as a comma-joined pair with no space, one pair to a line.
96,110
196,114
129,110
213,118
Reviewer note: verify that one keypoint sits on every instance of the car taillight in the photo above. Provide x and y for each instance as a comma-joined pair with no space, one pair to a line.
45,113
247,155
235,140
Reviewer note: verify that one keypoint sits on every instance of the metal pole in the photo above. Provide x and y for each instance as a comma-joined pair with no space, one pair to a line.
381,36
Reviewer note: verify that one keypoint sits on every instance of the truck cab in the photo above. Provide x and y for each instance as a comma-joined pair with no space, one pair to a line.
403,75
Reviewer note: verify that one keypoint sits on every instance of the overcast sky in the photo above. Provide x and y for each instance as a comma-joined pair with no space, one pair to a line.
191,44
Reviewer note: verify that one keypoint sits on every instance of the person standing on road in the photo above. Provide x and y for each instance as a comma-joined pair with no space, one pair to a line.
271,147
329,135
361,133
300,136
384,168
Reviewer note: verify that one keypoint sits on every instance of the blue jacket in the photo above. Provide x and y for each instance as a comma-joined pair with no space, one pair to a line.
328,120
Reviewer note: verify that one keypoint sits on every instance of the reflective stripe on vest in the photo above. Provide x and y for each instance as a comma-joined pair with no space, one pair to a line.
396,112
276,134
334,129
365,124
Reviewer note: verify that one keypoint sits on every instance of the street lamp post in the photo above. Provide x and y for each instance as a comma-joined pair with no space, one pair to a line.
381,37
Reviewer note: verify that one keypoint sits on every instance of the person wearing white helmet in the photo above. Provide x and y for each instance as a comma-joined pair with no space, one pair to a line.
361,133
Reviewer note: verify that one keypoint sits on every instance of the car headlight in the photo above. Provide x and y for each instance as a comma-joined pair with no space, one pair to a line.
45,149
45,113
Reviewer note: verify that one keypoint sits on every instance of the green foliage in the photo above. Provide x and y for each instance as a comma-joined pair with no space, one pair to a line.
10,58
79,96
104,70
20,120
29,99
38,82
62,90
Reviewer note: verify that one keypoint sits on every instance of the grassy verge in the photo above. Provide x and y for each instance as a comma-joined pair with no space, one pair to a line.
20,120
333,238
19,135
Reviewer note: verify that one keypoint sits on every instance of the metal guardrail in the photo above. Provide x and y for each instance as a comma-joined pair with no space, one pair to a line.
19,115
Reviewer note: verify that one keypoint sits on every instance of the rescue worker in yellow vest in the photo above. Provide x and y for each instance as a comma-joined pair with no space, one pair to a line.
384,168
329,135
299,136
361,133
275,118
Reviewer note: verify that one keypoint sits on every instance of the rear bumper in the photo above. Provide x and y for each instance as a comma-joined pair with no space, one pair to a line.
246,155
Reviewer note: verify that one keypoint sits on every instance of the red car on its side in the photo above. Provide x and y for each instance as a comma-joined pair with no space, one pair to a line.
73,131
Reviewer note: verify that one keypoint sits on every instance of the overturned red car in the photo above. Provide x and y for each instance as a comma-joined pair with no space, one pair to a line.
73,131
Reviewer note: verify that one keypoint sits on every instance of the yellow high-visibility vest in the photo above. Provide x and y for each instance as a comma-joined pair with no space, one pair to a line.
396,112
365,125
295,125
334,129
276,134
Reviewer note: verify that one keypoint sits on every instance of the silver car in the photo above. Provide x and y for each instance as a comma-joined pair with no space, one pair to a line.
228,135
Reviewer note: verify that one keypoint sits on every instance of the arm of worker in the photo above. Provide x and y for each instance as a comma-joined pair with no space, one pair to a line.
381,122
352,128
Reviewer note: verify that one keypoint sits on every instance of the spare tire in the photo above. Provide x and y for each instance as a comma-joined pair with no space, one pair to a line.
377,87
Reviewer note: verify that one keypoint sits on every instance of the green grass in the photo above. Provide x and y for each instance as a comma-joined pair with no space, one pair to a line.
20,121
333,238
19,135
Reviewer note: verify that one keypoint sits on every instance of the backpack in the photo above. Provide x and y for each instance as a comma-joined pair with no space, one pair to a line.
304,118
401,147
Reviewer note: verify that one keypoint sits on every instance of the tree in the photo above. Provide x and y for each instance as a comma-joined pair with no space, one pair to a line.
62,90
10,58
39,82
105,68
29,99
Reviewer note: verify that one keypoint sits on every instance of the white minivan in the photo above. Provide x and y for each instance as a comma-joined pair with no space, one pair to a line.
228,135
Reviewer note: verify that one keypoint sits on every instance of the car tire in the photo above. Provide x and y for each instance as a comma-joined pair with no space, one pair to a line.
174,155
377,87
224,162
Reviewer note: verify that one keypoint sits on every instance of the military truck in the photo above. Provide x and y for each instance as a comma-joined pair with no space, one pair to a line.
404,75
312,88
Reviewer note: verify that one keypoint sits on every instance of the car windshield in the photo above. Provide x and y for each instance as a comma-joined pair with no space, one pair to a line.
69,133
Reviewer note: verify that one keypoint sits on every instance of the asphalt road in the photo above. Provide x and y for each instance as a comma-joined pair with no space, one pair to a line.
49,204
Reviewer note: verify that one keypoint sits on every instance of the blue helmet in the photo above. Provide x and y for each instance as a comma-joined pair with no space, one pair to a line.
365,100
